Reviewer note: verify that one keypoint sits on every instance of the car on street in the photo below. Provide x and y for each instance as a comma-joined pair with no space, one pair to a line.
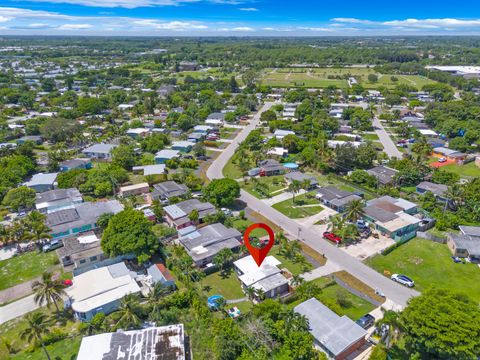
366,321
403,279
332,237
442,160
52,245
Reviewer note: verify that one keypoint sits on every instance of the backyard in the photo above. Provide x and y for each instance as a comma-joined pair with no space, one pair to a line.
469,170
262,186
25,267
429,264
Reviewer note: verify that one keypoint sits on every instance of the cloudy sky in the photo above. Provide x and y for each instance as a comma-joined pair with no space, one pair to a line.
239,17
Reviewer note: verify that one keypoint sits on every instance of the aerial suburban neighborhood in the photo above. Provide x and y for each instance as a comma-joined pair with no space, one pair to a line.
133,169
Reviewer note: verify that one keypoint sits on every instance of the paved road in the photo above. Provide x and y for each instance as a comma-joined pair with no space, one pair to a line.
393,291
17,308
388,145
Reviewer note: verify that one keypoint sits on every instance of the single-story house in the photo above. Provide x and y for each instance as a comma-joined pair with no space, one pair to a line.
162,156
438,190
465,246
216,116
384,174
336,199
182,146
100,290
75,164
279,134
302,177
393,217
449,154
158,273
138,133
99,151
177,215
42,182
136,189
278,151
202,129
267,278
336,143
166,190
33,138
195,137
428,132
270,167
58,199
81,218
204,244
161,343
157,169
338,336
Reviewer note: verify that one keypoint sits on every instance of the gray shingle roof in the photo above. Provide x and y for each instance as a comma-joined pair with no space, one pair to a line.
100,148
437,189
384,174
58,194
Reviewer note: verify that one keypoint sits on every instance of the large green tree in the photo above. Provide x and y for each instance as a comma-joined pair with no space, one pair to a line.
442,324
20,198
222,192
130,232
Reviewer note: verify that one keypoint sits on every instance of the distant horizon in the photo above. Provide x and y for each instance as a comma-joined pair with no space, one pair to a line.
225,18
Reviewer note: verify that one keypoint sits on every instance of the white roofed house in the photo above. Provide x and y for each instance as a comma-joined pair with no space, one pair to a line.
100,290
99,151
267,278
279,134
177,215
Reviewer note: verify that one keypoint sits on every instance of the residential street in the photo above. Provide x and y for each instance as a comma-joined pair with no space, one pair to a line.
396,293
17,308
389,146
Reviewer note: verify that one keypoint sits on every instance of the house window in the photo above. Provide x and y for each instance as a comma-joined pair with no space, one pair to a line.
83,261
93,258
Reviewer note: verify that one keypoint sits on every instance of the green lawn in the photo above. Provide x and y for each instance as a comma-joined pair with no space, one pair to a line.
293,267
274,183
231,170
467,170
229,287
25,267
298,209
63,349
371,137
429,264
356,307
241,225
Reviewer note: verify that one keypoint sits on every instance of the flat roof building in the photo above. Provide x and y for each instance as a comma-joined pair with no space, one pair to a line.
58,199
177,215
42,182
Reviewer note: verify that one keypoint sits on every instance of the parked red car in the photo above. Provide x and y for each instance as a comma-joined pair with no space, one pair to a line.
332,237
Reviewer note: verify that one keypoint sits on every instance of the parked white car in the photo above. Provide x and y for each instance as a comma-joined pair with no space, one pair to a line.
403,279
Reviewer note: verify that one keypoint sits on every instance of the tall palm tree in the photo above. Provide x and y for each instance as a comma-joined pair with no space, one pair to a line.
38,326
294,187
297,280
48,290
129,312
155,295
455,196
250,291
354,210
35,222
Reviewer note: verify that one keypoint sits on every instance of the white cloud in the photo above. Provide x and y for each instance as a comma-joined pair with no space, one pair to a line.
75,26
319,29
131,4
171,25
352,21
419,24
248,9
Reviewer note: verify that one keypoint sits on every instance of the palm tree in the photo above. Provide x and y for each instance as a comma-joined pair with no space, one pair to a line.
250,291
38,325
354,210
454,196
297,280
223,258
294,187
48,290
128,312
35,222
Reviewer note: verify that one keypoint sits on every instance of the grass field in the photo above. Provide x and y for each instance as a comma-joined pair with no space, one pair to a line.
25,267
466,171
274,183
228,286
293,267
429,264
371,137
324,77
302,207
354,306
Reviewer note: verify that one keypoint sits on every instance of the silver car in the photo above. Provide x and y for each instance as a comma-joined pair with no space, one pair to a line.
403,279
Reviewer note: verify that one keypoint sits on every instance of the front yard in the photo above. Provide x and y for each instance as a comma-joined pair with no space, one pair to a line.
264,187
25,267
429,264
305,205
465,171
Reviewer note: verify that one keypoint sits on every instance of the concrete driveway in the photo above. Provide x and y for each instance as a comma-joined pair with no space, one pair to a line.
368,247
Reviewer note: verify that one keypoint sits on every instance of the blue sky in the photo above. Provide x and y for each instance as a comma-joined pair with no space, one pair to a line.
239,17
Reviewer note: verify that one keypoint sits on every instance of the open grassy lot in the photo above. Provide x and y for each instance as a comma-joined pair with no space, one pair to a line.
340,300
25,267
64,349
371,137
226,285
241,225
429,264
465,171
324,77
294,267
305,205
273,183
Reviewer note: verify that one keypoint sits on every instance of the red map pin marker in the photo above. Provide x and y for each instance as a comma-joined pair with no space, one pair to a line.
259,254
